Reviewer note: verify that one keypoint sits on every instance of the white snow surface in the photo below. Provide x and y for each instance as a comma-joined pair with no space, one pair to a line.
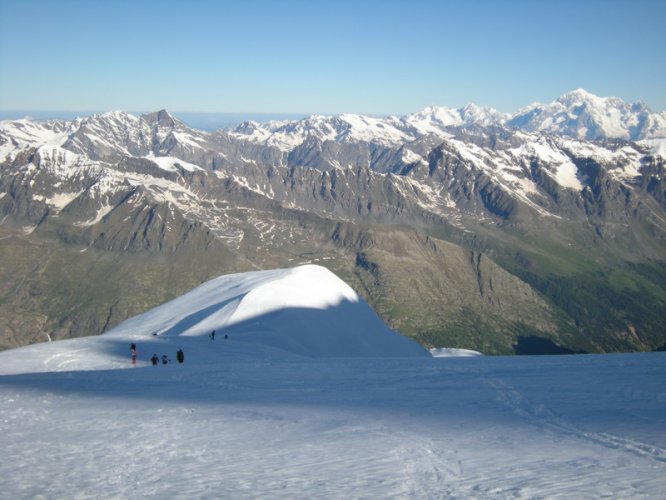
577,114
245,417
450,352
657,147
435,119
304,311
584,115
171,163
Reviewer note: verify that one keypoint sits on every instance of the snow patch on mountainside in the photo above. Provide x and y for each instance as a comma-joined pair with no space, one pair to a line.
343,128
409,156
102,212
657,147
170,163
57,201
188,139
561,168
18,135
623,163
265,190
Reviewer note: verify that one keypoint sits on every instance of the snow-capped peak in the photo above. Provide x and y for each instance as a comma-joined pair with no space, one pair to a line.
477,115
434,117
584,115
577,96
117,115
162,118
438,120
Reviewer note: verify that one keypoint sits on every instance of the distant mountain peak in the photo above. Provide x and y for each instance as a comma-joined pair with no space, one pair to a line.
117,113
161,117
577,95
584,115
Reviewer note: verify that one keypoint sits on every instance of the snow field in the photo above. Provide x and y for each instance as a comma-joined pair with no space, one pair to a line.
583,426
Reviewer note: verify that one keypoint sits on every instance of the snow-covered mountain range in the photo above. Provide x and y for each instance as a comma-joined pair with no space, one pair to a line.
578,172
577,114
117,152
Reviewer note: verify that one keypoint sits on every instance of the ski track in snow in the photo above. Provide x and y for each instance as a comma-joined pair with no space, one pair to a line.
541,415
296,427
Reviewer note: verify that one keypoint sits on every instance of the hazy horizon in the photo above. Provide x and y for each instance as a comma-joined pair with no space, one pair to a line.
200,120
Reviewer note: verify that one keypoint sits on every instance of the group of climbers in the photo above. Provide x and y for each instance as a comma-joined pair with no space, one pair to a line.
155,360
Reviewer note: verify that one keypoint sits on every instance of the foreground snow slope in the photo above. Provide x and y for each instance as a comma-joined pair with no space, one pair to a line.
271,427
292,405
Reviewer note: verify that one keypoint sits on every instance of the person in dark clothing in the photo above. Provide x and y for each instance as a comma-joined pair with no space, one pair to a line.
212,335
165,359
180,356
133,353
154,360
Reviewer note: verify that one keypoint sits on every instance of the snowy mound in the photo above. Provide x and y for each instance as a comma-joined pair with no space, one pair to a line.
304,311
449,352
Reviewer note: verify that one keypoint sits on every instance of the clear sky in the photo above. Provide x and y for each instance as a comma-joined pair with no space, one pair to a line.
309,56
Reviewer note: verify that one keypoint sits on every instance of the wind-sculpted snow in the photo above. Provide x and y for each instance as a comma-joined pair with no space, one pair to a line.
305,311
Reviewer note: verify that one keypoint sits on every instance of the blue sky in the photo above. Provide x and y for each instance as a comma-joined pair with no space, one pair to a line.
298,56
